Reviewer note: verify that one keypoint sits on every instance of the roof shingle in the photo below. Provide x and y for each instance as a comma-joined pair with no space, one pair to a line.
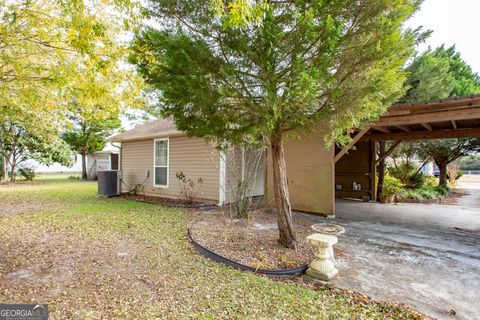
157,128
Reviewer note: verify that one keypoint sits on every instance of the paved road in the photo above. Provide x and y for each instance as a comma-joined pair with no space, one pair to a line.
427,256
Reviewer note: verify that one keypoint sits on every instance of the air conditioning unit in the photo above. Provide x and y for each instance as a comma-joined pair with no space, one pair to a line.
109,183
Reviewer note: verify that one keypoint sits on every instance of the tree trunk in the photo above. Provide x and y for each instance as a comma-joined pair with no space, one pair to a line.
443,181
4,168
282,199
381,170
84,165
13,166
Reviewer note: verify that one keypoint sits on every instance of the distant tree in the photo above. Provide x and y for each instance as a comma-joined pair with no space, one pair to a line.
471,162
21,139
53,52
446,151
438,74
89,134
250,72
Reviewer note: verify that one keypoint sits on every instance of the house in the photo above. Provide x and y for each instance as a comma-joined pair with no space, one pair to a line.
106,159
151,155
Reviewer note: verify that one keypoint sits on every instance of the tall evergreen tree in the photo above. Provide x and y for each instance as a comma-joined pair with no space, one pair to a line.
436,74
250,72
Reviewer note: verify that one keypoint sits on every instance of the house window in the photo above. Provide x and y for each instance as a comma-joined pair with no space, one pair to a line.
161,163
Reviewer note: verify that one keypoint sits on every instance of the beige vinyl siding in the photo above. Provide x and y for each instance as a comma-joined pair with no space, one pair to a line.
234,173
193,156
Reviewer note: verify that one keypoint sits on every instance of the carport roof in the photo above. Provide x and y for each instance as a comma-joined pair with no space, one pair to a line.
443,118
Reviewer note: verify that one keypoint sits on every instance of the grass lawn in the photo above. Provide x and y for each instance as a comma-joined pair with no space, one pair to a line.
90,257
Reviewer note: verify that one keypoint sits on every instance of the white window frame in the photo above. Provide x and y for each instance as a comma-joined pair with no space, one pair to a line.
168,163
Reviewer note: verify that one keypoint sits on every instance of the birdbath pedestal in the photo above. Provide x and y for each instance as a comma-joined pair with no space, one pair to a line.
322,267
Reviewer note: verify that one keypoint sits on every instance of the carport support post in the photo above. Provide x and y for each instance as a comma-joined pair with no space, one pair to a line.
381,169
373,170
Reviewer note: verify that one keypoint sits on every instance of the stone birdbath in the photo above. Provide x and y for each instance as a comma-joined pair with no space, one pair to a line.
323,265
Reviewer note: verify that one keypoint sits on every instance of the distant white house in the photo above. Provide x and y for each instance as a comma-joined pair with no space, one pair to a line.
106,159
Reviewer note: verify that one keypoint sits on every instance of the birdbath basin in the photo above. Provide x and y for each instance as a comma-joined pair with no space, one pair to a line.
328,228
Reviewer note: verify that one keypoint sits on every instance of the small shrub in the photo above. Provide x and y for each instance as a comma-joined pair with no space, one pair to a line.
27,173
408,174
442,190
425,192
187,186
391,186
430,181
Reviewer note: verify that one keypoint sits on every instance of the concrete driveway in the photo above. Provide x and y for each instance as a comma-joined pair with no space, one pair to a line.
426,256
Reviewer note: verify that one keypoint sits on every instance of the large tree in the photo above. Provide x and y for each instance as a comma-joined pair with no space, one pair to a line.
54,52
88,135
436,74
22,137
250,72
446,151
440,73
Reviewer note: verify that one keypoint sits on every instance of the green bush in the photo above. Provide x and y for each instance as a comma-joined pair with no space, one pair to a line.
424,192
408,174
27,173
391,186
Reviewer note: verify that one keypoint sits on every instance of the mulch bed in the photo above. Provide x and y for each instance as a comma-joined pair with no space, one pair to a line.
252,242
175,203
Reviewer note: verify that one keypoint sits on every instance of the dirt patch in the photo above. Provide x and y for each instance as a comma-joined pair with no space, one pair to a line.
24,206
454,196
61,265
253,242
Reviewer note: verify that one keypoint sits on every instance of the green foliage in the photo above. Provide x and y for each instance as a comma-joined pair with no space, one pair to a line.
440,73
58,54
471,162
425,192
408,174
27,173
89,136
391,186
23,137
225,75
445,151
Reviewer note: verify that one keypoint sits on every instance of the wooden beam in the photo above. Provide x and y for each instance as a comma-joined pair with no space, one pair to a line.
383,129
351,144
428,126
404,128
388,152
425,135
454,124
448,115
435,105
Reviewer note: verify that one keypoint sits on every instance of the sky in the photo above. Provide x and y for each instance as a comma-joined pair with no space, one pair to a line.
452,22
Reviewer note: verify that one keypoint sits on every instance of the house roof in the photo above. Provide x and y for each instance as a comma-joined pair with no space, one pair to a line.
155,129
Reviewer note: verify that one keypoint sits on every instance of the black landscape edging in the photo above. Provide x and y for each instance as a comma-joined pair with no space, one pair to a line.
218,258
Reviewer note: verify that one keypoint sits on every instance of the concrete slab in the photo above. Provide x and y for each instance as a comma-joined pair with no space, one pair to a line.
427,256
464,213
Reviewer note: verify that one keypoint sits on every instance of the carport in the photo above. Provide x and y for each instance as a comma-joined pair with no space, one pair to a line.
437,119
316,175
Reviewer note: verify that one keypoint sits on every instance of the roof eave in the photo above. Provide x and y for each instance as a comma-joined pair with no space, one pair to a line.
172,133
